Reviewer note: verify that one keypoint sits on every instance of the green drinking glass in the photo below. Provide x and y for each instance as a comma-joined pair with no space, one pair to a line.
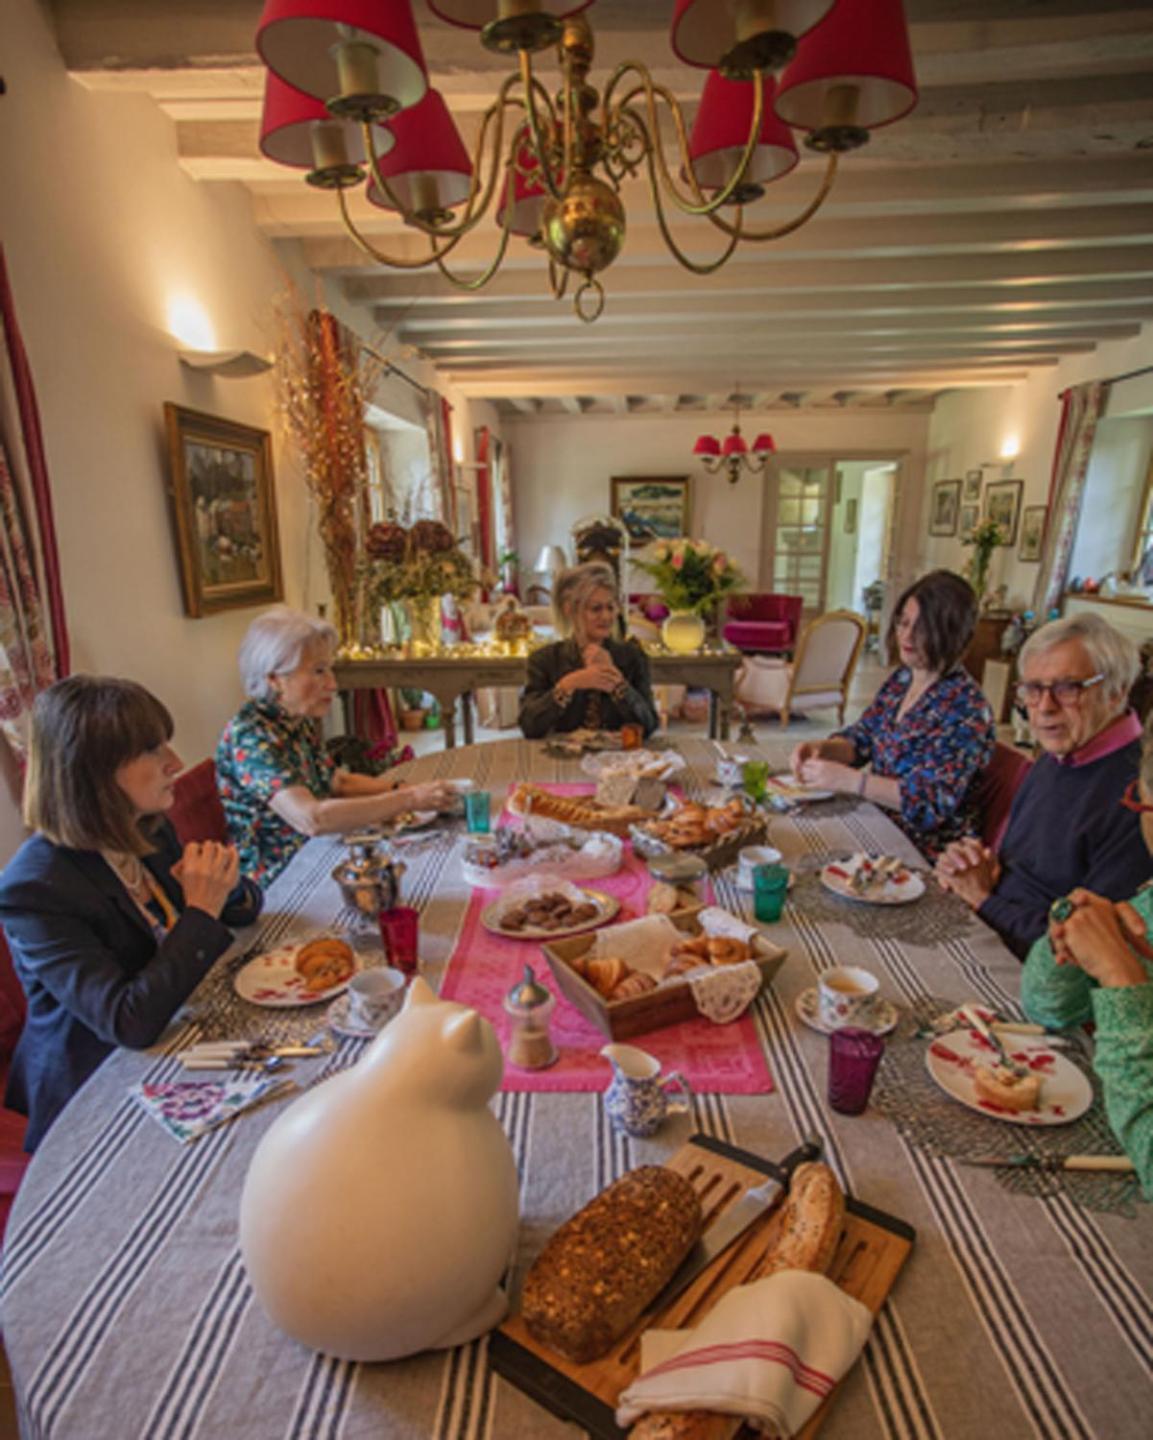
755,777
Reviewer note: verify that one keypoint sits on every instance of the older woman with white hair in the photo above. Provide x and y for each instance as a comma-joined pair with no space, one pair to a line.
1067,827
276,781
590,679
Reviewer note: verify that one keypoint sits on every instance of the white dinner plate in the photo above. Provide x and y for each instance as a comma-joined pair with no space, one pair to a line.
884,1018
791,788
834,877
272,980
607,907
1065,1091
413,820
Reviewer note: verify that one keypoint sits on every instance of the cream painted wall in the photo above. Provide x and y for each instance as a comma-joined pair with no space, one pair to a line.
562,467
969,426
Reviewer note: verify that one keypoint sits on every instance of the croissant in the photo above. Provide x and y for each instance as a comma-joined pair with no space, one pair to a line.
634,984
605,973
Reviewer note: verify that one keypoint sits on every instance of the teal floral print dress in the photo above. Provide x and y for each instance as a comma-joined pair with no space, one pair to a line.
264,750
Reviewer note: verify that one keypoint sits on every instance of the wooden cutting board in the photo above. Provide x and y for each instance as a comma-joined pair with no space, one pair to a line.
873,1248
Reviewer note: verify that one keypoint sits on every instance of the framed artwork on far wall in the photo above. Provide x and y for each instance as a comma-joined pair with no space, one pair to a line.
652,507
969,514
1032,532
223,511
946,503
972,490
1002,503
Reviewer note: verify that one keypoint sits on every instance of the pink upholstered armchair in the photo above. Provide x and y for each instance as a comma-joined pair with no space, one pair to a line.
763,624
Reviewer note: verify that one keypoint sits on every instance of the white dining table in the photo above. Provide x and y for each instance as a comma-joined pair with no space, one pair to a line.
126,1310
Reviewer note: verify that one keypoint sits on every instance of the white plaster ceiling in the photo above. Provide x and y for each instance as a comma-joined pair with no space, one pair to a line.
1007,222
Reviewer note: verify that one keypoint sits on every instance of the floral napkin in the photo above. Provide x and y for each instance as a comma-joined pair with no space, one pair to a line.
186,1108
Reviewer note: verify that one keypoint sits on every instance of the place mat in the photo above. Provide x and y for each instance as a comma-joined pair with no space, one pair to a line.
926,1117
721,1059
936,916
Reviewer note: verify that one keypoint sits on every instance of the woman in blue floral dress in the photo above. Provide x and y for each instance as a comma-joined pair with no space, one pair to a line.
920,747
276,781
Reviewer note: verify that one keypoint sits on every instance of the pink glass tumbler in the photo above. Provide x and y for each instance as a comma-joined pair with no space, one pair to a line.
399,929
853,1059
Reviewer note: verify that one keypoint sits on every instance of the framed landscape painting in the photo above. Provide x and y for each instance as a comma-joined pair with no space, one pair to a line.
946,504
972,486
224,512
969,514
1032,532
1002,502
652,507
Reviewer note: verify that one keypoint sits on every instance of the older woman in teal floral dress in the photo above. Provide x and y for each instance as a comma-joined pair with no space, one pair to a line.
1096,964
277,783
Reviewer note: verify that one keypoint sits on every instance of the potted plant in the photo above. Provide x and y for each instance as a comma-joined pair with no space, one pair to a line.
693,577
412,708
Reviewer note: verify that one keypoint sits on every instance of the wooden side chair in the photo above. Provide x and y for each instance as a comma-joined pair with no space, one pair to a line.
818,678
999,782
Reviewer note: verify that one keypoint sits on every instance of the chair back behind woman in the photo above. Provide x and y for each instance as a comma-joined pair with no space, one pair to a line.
197,813
999,782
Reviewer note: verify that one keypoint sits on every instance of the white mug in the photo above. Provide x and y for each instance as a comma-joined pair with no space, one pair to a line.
374,997
847,995
749,858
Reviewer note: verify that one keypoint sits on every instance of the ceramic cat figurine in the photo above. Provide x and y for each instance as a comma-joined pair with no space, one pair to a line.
381,1208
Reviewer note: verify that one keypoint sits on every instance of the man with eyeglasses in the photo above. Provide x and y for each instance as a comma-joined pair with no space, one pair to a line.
1068,827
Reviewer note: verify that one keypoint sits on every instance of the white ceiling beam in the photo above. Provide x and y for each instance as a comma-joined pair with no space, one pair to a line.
609,387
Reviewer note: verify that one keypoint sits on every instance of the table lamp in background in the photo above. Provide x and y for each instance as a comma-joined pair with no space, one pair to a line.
549,563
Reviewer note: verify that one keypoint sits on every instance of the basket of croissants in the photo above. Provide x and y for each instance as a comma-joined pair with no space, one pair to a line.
714,832
622,1001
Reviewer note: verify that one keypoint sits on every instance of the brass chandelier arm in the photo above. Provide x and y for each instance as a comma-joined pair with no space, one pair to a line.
531,87
557,278
789,225
479,281
697,267
395,262
699,204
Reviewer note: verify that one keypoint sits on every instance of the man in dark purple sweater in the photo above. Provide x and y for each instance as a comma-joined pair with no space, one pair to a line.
1067,827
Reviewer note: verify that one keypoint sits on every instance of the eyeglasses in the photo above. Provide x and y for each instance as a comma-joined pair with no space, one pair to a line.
1065,692
1132,800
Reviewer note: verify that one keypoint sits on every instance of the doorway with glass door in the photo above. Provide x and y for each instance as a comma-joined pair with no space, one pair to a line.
827,531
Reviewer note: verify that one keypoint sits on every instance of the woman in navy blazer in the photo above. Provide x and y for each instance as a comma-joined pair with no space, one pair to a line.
111,923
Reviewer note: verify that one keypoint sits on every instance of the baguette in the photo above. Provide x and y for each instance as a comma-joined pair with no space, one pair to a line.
581,811
811,1223
601,1268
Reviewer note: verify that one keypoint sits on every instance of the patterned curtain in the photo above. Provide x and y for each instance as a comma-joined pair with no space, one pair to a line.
1082,409
33,632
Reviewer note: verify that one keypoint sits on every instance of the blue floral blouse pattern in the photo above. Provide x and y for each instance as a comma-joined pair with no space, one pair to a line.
937,752
264,750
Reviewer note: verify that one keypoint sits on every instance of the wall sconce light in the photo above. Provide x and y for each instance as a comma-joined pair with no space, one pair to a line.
231,364
194,332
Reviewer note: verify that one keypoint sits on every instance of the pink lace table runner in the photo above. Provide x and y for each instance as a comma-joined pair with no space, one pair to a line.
722,1059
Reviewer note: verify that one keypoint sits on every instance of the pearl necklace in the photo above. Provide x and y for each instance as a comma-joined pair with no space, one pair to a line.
129,870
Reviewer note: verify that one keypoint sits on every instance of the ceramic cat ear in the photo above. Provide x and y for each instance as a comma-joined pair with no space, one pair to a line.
463,1033
420,992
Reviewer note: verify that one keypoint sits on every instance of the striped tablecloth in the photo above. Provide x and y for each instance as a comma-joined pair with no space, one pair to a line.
126,1311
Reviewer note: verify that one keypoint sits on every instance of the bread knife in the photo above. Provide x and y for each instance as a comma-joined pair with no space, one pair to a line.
1120,1164
732,1224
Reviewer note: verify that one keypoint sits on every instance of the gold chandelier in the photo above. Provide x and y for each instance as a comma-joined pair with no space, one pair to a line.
348,99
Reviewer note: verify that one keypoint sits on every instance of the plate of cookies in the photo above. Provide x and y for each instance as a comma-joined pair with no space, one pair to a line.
550,914
295,975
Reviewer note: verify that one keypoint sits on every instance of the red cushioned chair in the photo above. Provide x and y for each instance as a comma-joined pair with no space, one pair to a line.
999,782
763,624
13,1008
197,813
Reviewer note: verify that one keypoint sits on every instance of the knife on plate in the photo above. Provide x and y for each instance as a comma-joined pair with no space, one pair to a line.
1120,1164
738,1218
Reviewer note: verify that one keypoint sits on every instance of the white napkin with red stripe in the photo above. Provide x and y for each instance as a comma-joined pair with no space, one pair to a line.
769,1352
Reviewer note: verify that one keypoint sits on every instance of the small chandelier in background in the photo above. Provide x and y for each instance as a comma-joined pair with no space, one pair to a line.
732,454
348,99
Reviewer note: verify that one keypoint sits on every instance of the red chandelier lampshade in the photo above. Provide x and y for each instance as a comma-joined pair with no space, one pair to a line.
296,129
510,25
721,131
707,445
734,443
529,196
741,40
362,58
852,74
429,169
764,445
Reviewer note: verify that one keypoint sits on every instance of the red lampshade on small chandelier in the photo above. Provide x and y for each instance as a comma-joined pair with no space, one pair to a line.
296,129
529,198
732,455
739,40
852,74
721,131
362,58
509,25
428,169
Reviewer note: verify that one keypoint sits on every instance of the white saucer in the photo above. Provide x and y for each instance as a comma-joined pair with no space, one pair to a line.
336,1018
886,1015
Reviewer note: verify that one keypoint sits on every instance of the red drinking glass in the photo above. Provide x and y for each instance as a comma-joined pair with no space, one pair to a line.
399,931
853,1059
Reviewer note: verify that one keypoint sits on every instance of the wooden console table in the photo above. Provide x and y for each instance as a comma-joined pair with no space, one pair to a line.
454,679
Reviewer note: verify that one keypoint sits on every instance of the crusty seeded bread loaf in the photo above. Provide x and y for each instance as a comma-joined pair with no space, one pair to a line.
812,1219
602,1267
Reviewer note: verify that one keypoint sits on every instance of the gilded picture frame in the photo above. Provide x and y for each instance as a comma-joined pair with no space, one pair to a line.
652,507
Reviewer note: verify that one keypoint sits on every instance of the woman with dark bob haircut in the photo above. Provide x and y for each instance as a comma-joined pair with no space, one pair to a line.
920,747
111,923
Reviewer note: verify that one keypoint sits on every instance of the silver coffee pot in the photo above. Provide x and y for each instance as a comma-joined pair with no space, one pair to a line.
369,879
